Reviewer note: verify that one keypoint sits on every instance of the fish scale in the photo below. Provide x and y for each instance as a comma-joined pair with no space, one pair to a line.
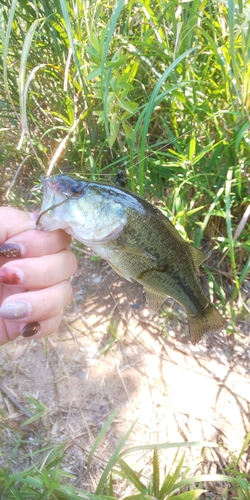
137,240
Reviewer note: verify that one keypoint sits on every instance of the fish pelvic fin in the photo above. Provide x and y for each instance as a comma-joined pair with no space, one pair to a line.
208,321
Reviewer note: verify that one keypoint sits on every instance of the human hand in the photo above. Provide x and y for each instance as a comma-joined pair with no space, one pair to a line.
33,278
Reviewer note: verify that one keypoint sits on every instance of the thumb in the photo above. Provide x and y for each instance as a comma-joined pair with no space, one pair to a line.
13,222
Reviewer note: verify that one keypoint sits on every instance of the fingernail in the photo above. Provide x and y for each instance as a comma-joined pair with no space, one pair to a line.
31,329
15,309
10,276
10,251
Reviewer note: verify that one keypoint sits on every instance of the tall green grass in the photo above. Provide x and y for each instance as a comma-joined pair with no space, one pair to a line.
159,89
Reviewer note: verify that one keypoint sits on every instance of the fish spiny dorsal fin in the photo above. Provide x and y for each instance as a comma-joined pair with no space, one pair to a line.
154,301
198,256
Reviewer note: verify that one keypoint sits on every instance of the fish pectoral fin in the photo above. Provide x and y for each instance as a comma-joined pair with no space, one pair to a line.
198,256
127,247
154,300
121,273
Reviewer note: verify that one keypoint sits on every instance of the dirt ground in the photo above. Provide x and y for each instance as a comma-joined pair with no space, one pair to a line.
106,355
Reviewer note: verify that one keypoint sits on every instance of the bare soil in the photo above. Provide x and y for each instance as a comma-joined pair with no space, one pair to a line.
107,355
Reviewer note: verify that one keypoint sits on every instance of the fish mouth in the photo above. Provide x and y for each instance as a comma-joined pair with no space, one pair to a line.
52,190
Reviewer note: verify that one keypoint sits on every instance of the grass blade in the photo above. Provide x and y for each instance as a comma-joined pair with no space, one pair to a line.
204,478
243,449
68,26
229,225
109,32
101,434
112,461
162,446
171,479
23,63
149,110
6,41
189,495
156,474
130,475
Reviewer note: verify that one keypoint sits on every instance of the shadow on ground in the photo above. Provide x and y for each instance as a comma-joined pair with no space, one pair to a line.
105,356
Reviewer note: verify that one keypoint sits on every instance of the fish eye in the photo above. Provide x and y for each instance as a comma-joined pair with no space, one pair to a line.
76,188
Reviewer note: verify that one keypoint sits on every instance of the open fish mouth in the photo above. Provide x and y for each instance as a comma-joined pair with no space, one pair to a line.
52,190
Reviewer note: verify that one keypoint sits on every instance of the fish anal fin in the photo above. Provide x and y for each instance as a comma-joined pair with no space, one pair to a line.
198,256
208,321
154,301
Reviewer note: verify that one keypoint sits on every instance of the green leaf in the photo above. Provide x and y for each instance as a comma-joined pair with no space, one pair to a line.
169,483
68,25
129,106
114,128
112,460
240,134
189,495
156,474
23,62
39,409
96,72
6,40
204,152
192,147
243,485
247,439
204,478
117,63
108,34
165,446
95,42
128,130
149,110
130,475
101,435
139,497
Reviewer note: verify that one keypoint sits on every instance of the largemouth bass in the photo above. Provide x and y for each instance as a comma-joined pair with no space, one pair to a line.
136,239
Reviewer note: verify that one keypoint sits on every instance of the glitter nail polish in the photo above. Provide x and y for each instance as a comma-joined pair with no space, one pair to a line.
10,251
15,309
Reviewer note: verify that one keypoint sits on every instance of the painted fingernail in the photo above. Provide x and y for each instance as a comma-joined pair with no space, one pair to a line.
31,329
10,276
10,251
15,309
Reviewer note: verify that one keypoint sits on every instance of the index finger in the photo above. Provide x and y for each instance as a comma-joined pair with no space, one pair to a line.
37,243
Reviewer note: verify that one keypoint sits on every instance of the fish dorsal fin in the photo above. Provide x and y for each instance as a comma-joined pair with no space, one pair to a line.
154,300
198,256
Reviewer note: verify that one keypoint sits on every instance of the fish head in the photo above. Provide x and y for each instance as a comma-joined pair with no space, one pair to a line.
57,191
83,209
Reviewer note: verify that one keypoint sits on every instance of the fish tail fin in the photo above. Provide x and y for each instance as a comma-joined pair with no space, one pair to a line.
208,321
